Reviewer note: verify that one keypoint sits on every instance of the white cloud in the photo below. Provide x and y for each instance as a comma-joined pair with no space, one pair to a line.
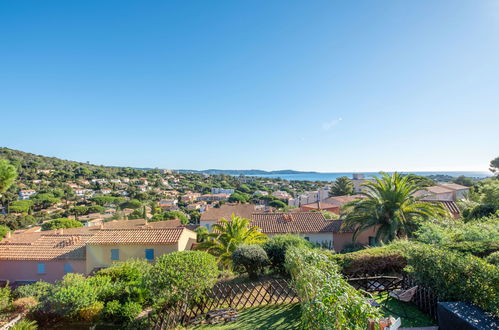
330,124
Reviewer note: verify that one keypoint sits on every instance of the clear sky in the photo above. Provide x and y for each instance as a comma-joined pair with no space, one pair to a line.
306,85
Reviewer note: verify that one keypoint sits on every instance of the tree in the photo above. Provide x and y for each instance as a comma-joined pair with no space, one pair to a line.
61,223
341,187
252,258
8,175
277,246
391,205
21,206
463,181
494,165
3,231
277,204
227,235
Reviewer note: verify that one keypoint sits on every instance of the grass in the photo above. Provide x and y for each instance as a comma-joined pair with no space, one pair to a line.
276,317
395,308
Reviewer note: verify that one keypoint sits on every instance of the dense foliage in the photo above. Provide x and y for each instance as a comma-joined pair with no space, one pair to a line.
455,276
252,258
61,223
277,246
3,231
373,261
327,300
180,279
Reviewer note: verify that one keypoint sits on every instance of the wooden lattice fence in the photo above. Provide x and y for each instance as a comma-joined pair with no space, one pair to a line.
376,283
425,298
230,295
244,295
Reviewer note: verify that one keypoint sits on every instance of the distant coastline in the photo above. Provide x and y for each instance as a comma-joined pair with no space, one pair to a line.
292,175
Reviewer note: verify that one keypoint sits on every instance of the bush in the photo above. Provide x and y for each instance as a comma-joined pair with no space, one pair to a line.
493,258
129,311
92,312
61,223
373,261
277,246
128,280
182,276
24,304
25,325
5,296
3,231
455,276
73,293
252,257
327,300
36,290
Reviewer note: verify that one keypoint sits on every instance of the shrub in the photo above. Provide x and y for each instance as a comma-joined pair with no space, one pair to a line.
373,261
3,231
252,257
112,310
73,293
36,290
182,276
25,325
24,304
129,311
493,258
277,246
5,296
61,223
127,280
455,276
327,300
92,312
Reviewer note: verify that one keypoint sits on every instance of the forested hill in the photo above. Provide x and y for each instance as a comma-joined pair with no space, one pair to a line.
28,165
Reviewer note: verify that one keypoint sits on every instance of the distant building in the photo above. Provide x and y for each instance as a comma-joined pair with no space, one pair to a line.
106,191
190,197
261,192
222,191
283,195
26,194
214,197
213,215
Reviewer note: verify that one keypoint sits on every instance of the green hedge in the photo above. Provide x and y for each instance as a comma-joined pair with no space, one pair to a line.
455,276
379,260
327,300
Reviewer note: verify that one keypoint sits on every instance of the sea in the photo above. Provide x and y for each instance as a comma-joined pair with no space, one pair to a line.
320,176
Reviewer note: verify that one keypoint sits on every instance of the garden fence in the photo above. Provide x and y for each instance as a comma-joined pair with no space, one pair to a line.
232,295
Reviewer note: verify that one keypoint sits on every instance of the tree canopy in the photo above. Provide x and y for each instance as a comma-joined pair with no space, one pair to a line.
342,186
8,175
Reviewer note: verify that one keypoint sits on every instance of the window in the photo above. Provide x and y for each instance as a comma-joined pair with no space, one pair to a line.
68,268
115,254
372,241
150,254
41,268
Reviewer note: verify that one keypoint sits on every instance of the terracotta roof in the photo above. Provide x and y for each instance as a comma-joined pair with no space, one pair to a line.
454,186
451,206
226,211
438,190
163,236
342,200
297,222
319,206
45,247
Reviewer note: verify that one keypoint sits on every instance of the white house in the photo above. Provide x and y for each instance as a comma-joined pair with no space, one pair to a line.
222,191
26,194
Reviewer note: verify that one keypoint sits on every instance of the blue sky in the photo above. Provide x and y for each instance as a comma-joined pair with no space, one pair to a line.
307,85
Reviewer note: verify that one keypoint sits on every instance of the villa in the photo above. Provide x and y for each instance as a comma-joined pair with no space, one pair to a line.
49,255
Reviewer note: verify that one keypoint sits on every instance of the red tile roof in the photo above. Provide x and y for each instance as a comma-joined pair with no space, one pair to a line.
296,222
150,236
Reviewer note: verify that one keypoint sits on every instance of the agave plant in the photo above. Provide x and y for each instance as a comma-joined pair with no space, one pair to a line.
392,205
227,235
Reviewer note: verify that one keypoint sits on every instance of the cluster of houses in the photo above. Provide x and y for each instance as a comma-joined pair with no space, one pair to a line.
32,255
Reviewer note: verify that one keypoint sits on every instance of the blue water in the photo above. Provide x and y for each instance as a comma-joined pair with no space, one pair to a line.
333,176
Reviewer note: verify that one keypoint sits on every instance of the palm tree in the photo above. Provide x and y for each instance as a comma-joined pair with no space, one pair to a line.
341,187
227,235
391,205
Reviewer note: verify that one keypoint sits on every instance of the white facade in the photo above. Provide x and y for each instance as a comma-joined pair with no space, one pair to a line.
222,191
